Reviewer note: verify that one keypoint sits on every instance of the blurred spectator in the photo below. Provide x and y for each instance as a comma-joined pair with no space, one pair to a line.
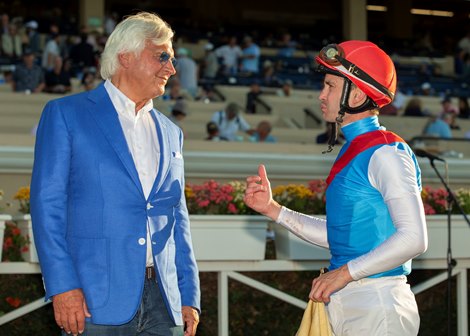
82,56
426,89
396,105
269,74
439,127
210,63
229,55
464,43
179,111
5,22
58,79
174,91
34,43
187,71
110,22
28,76
251,97
464,108
414,108
213,133
11,44
51,51
286,46
449,109
88,80
262,133
286,90
230,122
250,57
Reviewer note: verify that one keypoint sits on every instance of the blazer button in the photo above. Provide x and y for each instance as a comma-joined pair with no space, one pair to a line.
141,241
149,206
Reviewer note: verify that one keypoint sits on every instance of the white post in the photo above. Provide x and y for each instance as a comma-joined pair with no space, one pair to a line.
462,303
222,280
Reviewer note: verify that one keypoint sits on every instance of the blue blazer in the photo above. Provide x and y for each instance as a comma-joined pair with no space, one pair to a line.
90,214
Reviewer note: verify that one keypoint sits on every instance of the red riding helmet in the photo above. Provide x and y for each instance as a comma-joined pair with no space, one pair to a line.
364,64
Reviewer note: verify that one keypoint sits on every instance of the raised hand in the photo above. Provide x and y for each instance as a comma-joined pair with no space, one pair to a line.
258,194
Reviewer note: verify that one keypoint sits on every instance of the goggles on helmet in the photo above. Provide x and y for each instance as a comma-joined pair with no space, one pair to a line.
333,55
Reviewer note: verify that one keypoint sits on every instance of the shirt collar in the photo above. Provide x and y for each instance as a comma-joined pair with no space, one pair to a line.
361,126
124,106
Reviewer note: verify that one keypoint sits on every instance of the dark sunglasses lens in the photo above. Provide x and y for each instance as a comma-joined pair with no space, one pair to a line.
164,57
174,61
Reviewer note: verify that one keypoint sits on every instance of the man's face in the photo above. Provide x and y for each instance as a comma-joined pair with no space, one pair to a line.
146,74
330,97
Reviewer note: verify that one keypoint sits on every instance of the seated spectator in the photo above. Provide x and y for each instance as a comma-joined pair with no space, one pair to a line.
33,38
88,80
439,127
414,108
58,79
396,105
174,91
286,46
464,109
28,76
269,74
453,111
11,44
230,122
179,111
251,98
51,51
426,89
187,71
82,56
262,133
210,63
213,133
286,90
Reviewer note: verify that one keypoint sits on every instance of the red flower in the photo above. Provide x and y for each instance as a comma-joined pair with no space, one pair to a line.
16,231
7,243
232,208
14,302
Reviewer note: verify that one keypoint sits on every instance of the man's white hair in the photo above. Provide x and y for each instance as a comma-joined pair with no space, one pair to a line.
131,35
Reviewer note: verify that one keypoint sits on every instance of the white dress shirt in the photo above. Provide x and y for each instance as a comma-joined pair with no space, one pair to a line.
141,137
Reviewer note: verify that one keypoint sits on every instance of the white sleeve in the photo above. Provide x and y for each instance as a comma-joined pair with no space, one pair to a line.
392,172
244,126
309,228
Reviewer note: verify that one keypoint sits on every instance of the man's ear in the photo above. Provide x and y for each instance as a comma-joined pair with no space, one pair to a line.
124,59
357,97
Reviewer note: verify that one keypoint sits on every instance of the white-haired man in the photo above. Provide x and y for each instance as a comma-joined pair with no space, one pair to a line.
110,219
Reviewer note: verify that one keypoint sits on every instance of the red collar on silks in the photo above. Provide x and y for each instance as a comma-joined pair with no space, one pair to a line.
360,144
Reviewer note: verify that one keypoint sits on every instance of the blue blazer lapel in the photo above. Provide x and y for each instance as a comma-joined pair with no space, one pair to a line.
107,119
165,156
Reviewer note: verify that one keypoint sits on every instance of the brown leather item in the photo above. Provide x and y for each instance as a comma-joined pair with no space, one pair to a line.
150,273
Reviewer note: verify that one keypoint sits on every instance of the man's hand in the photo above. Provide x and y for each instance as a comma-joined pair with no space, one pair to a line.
328,283
258,194
190,320
70,310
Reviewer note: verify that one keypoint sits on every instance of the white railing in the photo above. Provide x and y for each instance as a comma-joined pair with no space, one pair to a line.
231,269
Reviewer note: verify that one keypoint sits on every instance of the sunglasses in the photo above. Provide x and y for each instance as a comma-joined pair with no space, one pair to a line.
333,55
165,57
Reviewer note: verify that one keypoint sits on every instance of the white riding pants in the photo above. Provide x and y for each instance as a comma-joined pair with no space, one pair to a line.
374,307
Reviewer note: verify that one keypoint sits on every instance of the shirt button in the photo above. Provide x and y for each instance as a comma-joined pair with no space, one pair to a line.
141,241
